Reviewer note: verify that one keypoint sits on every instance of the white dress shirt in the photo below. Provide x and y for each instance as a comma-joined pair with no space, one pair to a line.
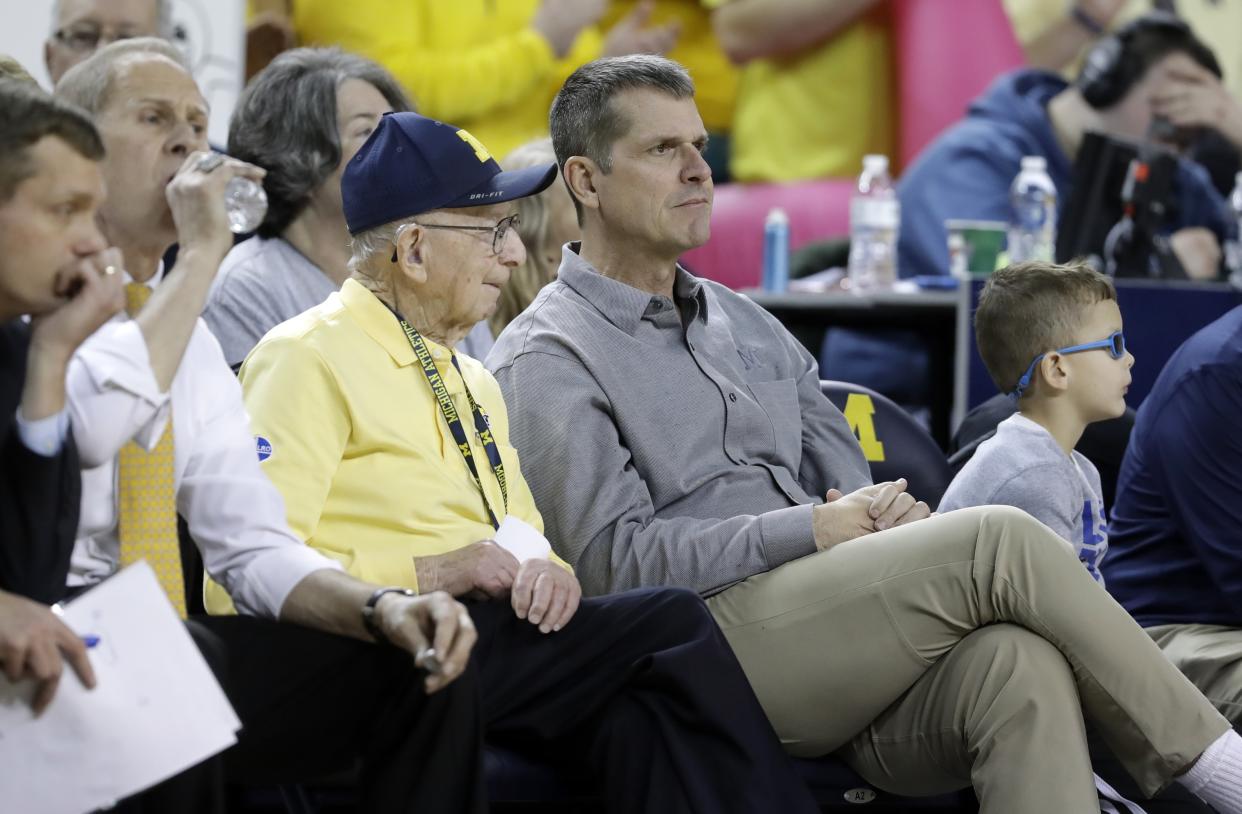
235,514
44,436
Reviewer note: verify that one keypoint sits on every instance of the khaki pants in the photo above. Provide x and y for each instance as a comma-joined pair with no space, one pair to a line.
963,649
1211,657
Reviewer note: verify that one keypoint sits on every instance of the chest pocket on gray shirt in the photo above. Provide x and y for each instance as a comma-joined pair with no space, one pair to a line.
781,441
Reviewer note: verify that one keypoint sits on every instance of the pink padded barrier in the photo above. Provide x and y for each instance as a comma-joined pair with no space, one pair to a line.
734,254
947,52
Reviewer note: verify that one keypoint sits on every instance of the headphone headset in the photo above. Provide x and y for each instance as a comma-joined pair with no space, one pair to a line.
1107,73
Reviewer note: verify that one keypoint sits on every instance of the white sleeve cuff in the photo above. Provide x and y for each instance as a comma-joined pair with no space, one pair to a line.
270,577
44,436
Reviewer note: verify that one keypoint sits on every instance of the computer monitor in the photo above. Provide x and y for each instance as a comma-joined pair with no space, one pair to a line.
1097,202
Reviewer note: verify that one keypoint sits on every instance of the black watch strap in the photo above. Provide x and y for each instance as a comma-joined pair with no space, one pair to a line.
368,611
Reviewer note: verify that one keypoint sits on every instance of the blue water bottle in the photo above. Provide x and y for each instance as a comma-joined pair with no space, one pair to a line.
776,251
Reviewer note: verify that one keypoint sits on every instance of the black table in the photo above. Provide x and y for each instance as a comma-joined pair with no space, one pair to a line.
933,315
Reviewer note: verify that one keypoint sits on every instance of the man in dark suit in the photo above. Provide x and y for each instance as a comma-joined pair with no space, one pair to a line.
54,266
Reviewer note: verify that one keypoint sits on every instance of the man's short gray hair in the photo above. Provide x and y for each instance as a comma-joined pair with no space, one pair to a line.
87,83
371,242
163,19
583,121
286,123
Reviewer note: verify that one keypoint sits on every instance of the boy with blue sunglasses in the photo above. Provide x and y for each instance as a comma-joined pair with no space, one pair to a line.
1051,337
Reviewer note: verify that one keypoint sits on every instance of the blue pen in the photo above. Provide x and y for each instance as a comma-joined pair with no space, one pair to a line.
90,640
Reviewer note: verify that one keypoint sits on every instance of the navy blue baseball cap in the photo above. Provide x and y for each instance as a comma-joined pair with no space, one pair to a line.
412,164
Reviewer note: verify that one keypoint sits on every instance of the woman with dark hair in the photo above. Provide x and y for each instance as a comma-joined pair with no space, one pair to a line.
301,119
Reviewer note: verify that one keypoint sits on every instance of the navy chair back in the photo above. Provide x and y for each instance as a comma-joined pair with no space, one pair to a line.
894,443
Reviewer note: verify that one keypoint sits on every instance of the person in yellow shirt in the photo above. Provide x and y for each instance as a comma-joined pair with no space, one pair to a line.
392,453
816,91
491,65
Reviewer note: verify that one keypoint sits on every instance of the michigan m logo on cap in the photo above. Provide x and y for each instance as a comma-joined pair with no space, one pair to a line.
480,151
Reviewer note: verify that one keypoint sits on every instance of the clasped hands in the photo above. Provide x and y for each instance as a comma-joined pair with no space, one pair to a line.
843,517
541,592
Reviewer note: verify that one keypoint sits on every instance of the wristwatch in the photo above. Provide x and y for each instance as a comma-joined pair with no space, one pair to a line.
368,611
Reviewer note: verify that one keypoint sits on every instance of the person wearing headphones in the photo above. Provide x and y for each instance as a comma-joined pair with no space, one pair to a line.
1153,68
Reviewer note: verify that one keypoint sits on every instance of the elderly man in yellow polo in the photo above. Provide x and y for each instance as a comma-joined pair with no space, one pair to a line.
392,453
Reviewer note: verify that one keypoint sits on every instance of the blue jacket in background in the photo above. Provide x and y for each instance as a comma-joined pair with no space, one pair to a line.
966,172
1176,534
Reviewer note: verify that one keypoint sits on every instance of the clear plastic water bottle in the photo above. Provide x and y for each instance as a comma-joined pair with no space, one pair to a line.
1233,249
1033,213
875,218
776,251
246,203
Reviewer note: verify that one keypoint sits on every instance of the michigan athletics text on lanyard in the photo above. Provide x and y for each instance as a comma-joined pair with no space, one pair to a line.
449,411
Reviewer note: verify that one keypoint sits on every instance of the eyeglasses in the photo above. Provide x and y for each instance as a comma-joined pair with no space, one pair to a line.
86,38
499,231
1115,344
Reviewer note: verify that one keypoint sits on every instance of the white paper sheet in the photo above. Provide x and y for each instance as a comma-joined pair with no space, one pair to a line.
522,540
156,708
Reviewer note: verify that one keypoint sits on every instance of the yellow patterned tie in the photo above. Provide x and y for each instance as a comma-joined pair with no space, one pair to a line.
147,498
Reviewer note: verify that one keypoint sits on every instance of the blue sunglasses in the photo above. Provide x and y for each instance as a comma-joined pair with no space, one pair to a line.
1115,344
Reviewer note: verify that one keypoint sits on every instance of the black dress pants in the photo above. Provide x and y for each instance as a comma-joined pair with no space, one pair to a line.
313,704
641,691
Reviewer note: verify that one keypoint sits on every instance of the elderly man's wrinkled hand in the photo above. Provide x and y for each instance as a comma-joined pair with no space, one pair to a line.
34,644
545,594
436,621
481,570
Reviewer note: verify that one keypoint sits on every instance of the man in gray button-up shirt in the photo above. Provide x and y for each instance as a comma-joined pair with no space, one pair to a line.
698,451
673,434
